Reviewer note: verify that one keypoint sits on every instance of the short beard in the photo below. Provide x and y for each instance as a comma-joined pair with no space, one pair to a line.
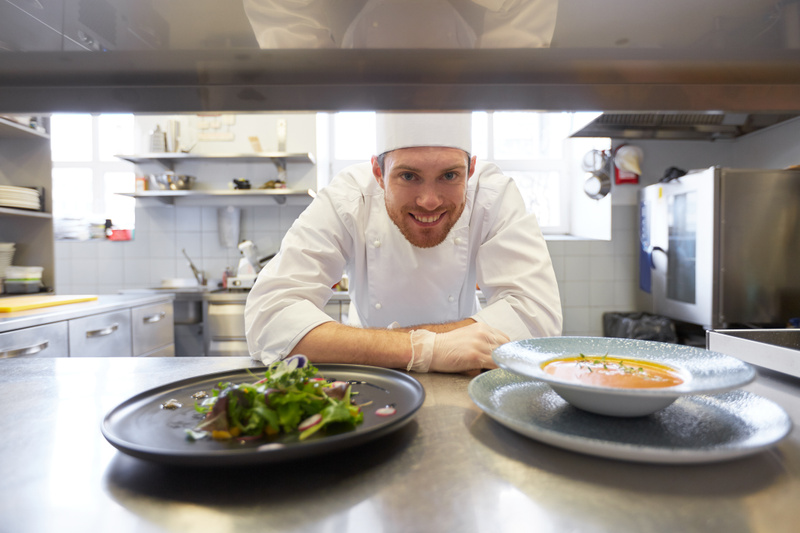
428,243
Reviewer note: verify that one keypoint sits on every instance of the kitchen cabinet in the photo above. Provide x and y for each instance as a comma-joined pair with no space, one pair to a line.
152,329
101,335
170,161
25,161
48,340
112,326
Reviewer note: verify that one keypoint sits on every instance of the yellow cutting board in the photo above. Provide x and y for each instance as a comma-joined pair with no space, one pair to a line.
11,304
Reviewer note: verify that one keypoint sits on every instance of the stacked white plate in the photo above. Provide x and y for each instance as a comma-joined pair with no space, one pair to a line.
20,197
6,255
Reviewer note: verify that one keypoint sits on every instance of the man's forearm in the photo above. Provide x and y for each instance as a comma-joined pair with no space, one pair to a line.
332,342
441,328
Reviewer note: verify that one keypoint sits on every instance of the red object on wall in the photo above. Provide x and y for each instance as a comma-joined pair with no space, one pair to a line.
623,177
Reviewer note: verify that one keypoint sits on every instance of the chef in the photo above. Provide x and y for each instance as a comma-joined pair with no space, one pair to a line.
415,230
402,23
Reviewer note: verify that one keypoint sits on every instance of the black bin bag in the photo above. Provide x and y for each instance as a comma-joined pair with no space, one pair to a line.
639,326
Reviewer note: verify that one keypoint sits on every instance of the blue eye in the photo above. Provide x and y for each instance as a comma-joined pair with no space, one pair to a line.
406,176
450,176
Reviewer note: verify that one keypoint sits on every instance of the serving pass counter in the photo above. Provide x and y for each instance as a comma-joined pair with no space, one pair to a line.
452,468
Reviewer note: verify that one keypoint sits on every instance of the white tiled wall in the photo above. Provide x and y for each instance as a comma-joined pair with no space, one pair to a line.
155,253
593,276
597,276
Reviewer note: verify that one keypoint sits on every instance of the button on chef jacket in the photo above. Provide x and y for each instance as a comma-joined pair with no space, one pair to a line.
346,229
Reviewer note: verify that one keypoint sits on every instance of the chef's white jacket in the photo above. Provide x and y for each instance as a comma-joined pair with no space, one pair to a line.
402,23
346,229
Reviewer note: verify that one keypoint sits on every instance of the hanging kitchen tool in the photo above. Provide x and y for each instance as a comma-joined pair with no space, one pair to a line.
198,274
598,182
627,164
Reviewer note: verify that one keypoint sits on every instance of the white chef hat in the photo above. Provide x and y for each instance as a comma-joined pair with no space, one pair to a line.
406,130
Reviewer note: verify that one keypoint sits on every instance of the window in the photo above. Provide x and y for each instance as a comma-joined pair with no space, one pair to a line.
533,148
87,175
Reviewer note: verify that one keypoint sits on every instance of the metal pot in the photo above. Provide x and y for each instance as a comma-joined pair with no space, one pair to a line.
597,185
171,181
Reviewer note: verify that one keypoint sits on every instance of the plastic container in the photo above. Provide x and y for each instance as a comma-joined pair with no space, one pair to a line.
23,273
22,286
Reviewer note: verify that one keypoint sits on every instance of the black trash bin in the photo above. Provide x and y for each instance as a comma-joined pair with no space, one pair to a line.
639,326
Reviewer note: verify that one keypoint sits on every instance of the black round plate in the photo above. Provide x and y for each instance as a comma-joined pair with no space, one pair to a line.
140,427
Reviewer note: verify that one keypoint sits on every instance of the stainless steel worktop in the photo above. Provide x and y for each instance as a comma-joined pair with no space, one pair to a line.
451,469
48,315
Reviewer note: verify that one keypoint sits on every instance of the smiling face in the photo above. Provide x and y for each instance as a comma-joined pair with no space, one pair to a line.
425,189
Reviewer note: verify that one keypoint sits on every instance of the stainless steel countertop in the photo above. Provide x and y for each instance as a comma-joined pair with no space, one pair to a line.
451,469
57,313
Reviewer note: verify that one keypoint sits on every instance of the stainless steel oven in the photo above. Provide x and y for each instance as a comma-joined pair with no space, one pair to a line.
720,247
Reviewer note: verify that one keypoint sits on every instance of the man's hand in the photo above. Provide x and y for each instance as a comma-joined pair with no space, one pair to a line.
463,349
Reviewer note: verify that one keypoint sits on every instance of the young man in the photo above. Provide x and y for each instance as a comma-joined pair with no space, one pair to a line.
415,230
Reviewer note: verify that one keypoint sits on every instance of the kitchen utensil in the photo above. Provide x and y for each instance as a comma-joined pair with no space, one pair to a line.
628,158
139,427
171,181
180,182
158,140
250,253
705,372
597,185
198,274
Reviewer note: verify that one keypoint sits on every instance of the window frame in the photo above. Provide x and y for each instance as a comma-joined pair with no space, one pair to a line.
99,169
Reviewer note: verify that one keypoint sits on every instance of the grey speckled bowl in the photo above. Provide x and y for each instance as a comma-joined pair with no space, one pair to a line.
705,372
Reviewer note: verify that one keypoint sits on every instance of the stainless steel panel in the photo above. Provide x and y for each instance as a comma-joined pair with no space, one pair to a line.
189,340
164,351
759,236
152,327
730,258
50,340
223,324
103,335
776,349
326,80
60,474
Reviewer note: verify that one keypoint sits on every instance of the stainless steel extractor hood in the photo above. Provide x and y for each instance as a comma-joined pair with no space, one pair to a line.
152,56
707,126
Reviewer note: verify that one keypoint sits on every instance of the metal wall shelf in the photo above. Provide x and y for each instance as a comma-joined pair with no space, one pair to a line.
10,129
29,213
169,159
169,197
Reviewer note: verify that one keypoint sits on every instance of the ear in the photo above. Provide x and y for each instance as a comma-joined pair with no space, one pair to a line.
376,171
472,166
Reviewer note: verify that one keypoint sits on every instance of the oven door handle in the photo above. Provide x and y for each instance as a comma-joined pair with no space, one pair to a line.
652,251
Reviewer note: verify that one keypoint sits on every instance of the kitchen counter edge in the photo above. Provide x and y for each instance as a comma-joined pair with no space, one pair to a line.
104,303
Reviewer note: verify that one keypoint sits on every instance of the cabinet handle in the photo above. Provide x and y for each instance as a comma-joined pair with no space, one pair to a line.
21,352
154,318
102,332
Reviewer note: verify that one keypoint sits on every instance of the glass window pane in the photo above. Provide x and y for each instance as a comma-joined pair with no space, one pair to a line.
71,137
72,193
115,136
480,134
542,195
354,135
516,135
120,209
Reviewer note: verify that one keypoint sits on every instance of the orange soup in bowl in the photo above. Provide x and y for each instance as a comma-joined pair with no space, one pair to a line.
616,372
